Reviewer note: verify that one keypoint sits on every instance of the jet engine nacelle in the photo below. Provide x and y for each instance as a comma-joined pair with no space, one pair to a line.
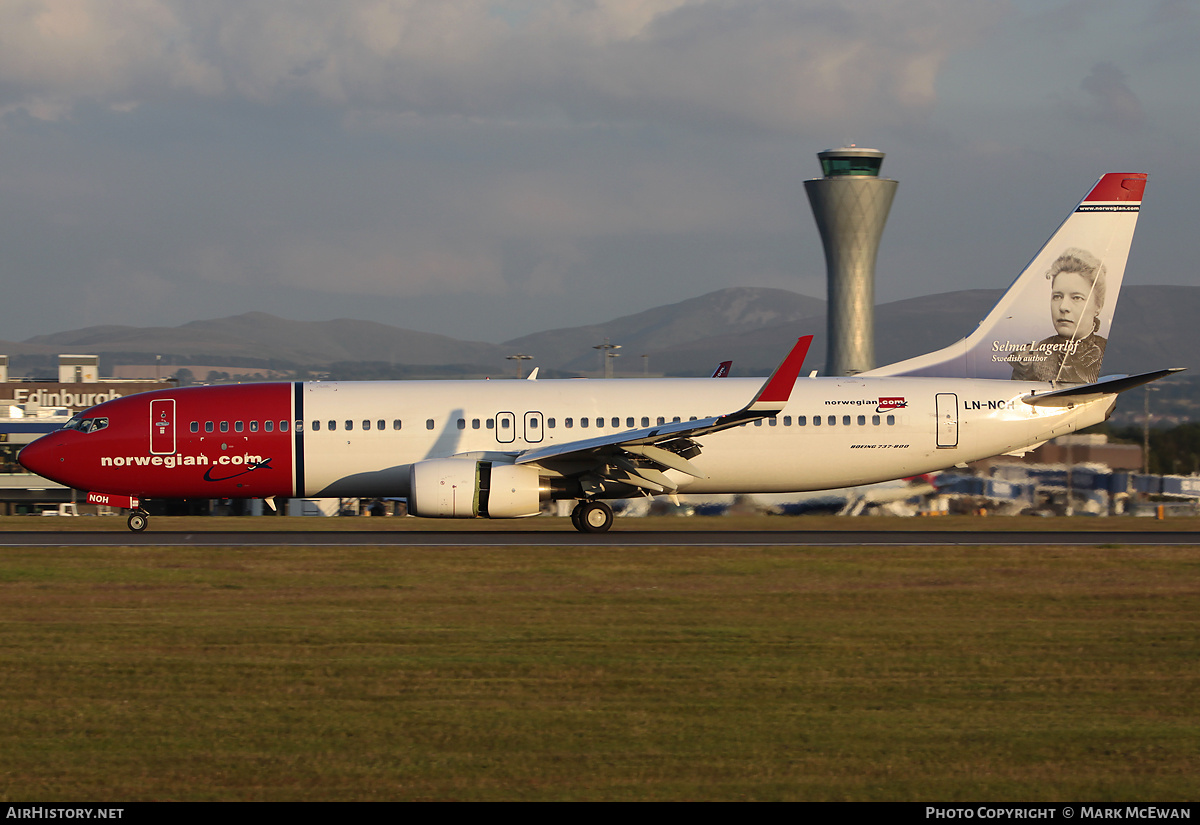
465,488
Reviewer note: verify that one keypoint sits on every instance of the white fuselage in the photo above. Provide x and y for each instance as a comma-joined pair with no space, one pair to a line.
871,429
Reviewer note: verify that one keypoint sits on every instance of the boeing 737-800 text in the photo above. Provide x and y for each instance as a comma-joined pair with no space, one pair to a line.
498,449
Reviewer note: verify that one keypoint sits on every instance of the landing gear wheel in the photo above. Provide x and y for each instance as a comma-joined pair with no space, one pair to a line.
594,517
576,511
138,521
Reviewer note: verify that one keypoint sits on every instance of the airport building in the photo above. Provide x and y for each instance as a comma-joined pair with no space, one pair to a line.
851,204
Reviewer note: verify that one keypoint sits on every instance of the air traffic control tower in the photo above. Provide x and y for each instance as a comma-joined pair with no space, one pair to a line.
851,205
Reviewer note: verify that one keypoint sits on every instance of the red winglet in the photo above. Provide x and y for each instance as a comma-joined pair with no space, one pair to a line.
778,388
1119,186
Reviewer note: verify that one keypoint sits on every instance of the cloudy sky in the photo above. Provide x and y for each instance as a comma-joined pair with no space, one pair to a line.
490,168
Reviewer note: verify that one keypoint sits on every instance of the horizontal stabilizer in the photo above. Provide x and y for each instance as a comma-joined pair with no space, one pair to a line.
1111,385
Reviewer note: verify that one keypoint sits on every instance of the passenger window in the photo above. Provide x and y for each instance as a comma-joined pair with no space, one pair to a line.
891,419
462,423
645,421
831,420
773,422
380,424
195,426
253,426
675,420
332,426
629,422
662,420
875,420
816,421
758,422
583,422
269,426
787,421
550,423
237,426
862,421
846,420
533,423
475,423
616,422
366,425
599,423
691,418
429,423
395,423
224,426
316,426
505,423
568,423
349,426
802,421
491,422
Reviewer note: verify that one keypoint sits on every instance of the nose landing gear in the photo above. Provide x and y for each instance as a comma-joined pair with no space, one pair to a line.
138,520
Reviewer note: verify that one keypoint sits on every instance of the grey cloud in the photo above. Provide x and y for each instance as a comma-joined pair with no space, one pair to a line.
766,63
1114,101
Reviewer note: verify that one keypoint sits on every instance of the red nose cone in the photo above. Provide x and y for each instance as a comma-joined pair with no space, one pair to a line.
39,458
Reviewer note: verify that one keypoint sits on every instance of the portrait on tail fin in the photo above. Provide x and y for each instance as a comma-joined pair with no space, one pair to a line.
1075,351
1081,268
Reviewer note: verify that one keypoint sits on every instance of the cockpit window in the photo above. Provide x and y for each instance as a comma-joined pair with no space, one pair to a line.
86,425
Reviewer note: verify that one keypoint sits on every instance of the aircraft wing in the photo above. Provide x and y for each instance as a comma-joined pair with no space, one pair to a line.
639,457
1109,385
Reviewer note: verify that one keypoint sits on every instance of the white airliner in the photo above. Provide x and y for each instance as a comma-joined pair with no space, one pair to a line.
498,449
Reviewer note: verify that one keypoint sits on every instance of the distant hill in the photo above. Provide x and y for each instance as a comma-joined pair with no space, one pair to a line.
1155,327
262,336
728,312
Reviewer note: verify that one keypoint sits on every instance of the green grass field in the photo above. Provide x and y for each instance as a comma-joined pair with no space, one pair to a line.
995,673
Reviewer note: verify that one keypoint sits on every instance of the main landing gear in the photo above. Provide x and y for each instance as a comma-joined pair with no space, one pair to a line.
592,517
138,520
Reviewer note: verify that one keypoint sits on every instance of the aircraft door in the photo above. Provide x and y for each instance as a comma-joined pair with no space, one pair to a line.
533,427
947,419
162,426
506,427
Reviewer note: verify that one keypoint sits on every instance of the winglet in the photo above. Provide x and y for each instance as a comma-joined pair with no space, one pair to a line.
774,394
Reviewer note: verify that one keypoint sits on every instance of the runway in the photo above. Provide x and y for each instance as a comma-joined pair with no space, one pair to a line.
619,538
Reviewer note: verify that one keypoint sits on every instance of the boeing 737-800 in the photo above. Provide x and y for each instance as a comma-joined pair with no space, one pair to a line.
498,449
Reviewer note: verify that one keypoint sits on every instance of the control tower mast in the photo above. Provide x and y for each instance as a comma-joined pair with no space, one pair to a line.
851,205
